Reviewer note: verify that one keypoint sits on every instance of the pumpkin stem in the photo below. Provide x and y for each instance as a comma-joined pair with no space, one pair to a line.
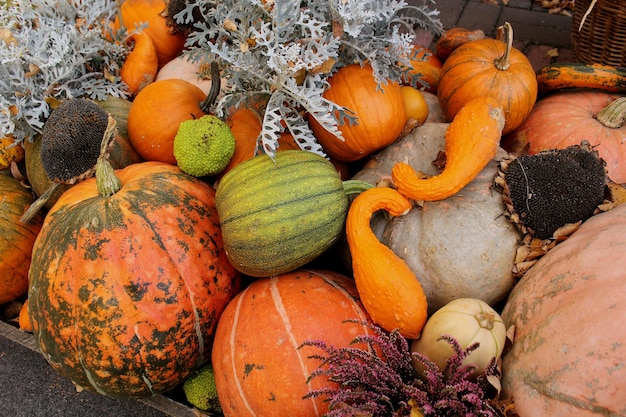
352,187
505,31
485,319
613,115
108,183
205,106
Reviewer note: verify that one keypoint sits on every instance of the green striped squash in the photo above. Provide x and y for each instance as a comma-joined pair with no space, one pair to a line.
277,215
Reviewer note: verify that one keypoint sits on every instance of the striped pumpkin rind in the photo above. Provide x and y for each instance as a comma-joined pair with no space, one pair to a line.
260,368
126,291
277,215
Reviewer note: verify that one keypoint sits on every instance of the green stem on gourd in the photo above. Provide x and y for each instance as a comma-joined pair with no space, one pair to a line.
614,115
352,187
108,183
216,81
503,63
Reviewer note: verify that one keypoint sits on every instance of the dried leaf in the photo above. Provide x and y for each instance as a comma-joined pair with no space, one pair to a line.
32,71
617,193
7,36
324,68
566,230
230,25
553,53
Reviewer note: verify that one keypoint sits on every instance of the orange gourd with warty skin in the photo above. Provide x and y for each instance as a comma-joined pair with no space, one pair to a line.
141,64
489,67
389,290
381,114
149,13
472,140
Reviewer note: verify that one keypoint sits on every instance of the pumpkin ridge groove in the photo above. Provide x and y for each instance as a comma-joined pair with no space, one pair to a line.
291,201
233,356
284,317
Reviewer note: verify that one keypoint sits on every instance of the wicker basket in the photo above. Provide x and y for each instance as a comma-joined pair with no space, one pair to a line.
602,38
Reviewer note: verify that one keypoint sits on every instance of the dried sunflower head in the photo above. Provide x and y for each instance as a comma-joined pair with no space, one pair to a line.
552,189
71,140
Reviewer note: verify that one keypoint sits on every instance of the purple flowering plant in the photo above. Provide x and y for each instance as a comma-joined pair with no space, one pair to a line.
381,381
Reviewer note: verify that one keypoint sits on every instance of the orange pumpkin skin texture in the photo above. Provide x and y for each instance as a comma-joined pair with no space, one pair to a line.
568,356
472,140
126,290
453,38
259,368
567,118
428,66
156,113
472,71
381,114
9,152
389,290
149,13
16,239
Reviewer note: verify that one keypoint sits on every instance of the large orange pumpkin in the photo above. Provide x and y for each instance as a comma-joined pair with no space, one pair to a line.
489,67
260,369
156,113
381,114
16,239
133,13
568,356
126,290
567,118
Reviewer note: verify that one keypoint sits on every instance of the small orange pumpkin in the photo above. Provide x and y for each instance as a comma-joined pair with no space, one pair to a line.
489,67
156,113
133,13
381,114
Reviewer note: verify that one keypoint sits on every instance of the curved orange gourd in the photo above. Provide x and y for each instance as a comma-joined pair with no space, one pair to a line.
389,290
472,140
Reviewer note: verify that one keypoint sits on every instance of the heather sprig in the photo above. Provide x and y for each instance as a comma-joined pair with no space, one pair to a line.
454,391
375,377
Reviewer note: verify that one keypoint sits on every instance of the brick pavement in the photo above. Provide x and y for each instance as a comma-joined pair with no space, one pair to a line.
542,36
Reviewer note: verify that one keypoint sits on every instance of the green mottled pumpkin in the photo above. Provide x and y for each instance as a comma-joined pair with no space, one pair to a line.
126,291
277,215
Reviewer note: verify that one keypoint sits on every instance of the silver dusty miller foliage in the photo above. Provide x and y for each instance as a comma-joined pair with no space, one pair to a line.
282,52
53,50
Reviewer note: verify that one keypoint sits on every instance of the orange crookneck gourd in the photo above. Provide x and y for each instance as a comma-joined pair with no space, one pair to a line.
472,140
389,290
